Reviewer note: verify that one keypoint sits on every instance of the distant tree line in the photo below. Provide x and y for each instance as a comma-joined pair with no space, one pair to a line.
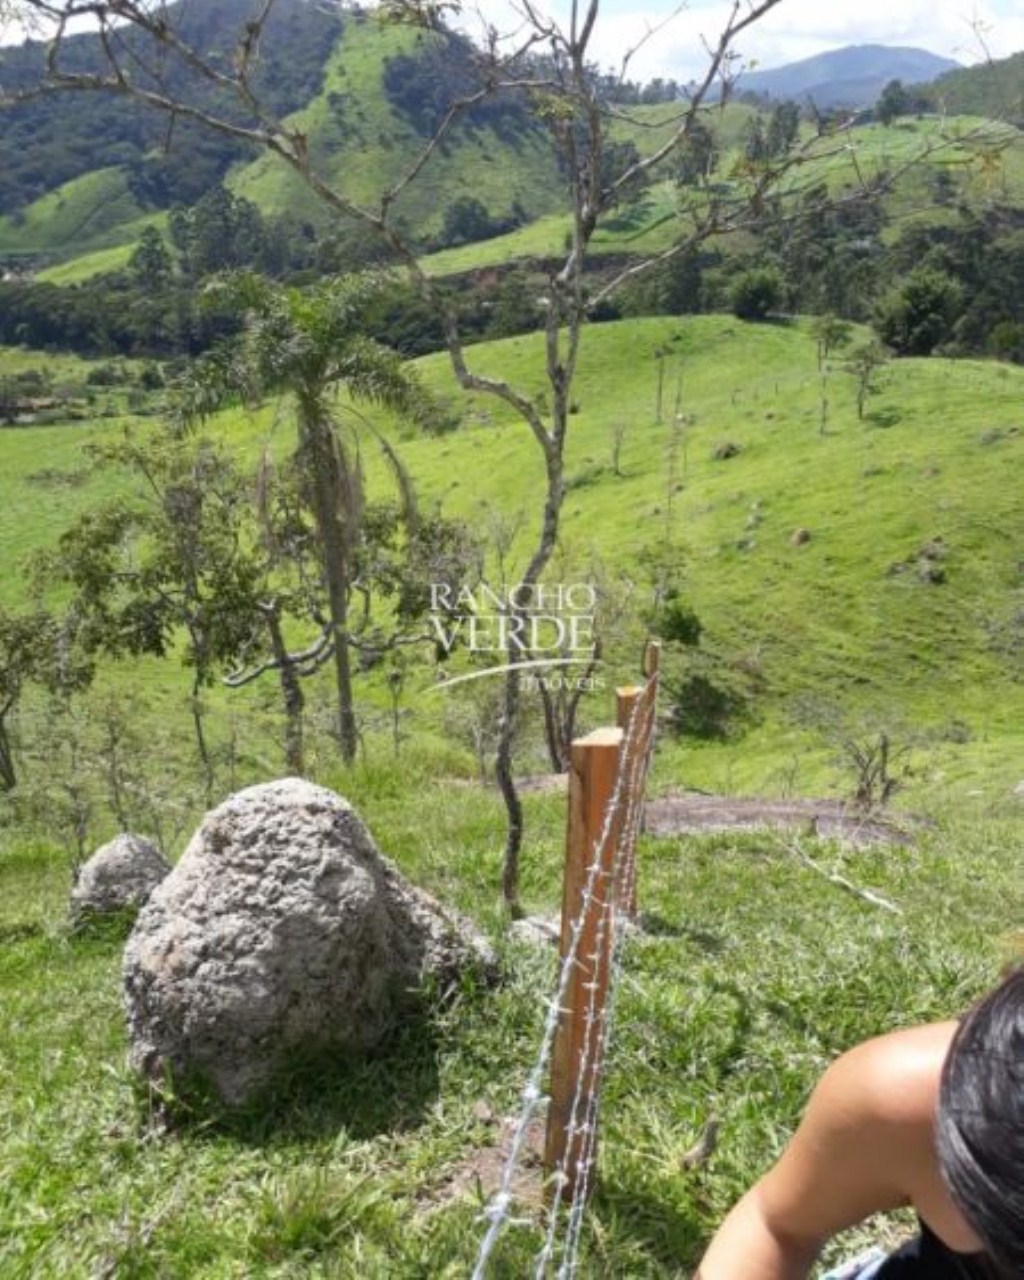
158,307
956,287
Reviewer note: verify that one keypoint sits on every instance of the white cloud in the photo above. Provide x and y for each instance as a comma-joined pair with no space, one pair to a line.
795,29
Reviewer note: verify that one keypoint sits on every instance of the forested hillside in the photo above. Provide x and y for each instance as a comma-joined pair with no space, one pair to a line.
52,140
78,173
993,88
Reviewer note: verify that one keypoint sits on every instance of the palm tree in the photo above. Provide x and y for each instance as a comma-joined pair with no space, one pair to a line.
310,345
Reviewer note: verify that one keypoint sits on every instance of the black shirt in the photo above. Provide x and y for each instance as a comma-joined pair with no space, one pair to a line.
927,1258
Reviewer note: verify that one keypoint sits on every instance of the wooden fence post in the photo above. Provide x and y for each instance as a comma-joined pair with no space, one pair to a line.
574,1064
636,706
629,713
599,857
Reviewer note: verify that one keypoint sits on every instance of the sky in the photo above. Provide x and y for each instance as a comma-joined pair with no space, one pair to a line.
795,29
965,30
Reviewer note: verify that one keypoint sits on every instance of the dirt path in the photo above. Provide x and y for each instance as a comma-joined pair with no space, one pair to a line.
694,813
690,813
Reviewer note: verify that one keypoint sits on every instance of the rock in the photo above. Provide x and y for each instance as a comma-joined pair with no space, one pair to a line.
117,880
800,537
537,931
484,1113
931,572
282,930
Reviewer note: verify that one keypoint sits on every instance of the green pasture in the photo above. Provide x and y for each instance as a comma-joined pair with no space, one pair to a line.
847,617
83,267
752,971
91,212
984,160
362,145
752,974
365,146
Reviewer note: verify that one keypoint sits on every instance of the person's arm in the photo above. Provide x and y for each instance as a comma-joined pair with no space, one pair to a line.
858,1150
748,1244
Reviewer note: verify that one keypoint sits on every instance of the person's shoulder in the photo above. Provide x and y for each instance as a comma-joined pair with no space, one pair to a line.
866,1140
893,1078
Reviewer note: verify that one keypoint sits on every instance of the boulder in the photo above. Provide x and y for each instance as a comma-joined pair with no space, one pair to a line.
281,931
117,880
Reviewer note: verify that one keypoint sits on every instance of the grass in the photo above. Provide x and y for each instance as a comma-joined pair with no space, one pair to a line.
840,614
753,972
846,615
87,213
83,267
362,144
985,159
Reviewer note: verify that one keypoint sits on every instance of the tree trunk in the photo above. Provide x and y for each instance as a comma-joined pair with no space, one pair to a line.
201,744
8,773
510,713
552,731
503,772
291,694
329,492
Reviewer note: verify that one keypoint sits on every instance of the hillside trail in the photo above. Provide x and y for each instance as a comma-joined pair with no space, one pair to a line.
683,812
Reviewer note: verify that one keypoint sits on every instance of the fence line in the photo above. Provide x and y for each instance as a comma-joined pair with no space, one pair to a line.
599,1024
606,794
594,769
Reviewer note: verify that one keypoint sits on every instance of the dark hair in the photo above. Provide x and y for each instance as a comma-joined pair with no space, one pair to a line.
980,1123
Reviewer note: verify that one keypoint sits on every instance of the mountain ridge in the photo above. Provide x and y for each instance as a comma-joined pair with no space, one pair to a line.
852,76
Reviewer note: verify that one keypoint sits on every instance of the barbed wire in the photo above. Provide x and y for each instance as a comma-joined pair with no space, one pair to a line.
621,927
592,1058
628,785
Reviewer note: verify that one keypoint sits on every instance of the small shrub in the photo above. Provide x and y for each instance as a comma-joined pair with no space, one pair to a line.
704,706
757,293
679,622
107,375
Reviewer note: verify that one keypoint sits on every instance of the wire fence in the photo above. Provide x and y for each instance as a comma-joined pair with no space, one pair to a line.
607,779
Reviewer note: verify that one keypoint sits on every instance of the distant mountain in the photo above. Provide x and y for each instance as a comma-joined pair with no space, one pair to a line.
994,89
850,77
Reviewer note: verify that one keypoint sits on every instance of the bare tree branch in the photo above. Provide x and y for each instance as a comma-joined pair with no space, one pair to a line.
865,895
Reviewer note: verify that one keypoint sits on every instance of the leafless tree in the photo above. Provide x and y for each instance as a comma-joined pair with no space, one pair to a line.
563,94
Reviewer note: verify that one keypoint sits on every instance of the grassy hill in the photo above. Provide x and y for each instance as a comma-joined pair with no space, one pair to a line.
357,138
985,162
94,211
983,159
753,971
361,142
51,139
848,616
